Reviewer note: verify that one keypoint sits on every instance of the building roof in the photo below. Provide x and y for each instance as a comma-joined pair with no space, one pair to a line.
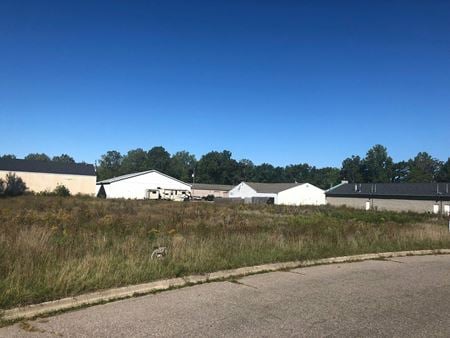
271,188
392,190
124,177
47,167
206,186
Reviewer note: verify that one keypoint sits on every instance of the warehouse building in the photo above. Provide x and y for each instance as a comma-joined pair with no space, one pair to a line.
279,193
203,190
40,176
150,184
417,197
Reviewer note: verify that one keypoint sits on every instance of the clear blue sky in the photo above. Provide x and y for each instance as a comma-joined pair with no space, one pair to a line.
273,81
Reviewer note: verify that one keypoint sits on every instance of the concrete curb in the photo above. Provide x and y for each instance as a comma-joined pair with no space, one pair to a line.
35,310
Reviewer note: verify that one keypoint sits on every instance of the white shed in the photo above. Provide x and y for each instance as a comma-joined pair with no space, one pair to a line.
150,184
282,193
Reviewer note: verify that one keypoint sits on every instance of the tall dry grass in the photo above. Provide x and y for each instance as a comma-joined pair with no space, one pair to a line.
54,247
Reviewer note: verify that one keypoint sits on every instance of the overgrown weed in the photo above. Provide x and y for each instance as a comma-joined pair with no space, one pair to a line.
53,247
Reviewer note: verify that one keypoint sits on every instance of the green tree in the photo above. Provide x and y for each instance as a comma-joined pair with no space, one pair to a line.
217,167
423,168
37,157
444,172
8,157
324,178
267,173
377,165
63,158
158,159
246,170
182,165
400,171
62,191
352,170
135,161
296,173
15,186
109,165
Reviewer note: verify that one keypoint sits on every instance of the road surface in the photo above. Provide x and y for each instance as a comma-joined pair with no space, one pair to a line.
407,297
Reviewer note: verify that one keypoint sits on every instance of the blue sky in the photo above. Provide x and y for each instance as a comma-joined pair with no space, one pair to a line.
273,81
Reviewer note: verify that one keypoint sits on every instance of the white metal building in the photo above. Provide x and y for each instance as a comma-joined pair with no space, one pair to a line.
282,193
150,184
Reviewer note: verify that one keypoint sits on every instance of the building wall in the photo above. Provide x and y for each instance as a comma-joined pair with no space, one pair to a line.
39,182
136,187
205,192
244,191
305,194
387,204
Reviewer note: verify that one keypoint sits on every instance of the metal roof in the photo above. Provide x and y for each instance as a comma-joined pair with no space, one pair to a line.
271,188
124,177
47,167
206,186
392,190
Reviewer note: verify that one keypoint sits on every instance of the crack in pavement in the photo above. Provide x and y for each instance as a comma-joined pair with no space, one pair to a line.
297,273
235,281
393,260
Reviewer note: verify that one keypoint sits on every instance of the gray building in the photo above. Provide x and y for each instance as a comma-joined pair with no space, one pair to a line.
417,197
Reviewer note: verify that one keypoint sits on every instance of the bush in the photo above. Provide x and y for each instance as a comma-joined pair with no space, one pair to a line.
14,185
61,190
2,187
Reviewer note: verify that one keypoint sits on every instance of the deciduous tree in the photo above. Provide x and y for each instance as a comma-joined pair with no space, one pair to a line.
8,157
37,157
109,165
63,158
159,159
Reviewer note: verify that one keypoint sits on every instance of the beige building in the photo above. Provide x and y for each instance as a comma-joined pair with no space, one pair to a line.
416,197
39,176
202,190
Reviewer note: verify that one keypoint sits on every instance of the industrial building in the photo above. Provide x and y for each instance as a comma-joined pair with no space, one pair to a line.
150,184
203,190
417,197
279,193
40,176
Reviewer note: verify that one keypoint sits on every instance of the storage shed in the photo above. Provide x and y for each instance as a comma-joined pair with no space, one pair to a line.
150,184
281,193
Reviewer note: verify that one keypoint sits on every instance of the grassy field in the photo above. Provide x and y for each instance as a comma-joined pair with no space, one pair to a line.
52,247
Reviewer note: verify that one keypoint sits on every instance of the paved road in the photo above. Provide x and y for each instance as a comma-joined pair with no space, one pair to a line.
407,297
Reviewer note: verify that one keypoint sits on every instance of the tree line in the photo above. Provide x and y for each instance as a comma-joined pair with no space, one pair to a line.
63,158
221,168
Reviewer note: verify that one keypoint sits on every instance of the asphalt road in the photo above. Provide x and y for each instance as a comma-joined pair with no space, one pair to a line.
407,297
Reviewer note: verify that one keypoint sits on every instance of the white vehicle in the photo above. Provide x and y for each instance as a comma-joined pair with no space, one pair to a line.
168,194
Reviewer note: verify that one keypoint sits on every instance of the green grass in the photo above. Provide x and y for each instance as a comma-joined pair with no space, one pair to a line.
53,247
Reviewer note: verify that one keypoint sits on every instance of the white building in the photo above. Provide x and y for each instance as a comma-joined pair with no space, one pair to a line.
149,184
282,193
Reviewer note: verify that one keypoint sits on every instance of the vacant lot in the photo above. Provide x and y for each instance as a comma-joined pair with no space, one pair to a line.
54,247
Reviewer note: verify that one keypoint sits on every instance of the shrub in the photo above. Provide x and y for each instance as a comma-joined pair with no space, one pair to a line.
61,190
2,187
15,186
